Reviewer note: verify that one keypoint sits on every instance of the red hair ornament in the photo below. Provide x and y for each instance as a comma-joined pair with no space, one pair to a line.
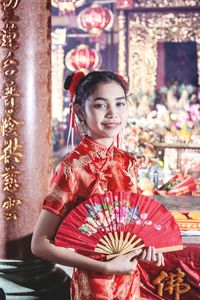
123,80
77,77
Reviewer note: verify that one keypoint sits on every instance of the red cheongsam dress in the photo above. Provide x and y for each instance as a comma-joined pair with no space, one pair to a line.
90,169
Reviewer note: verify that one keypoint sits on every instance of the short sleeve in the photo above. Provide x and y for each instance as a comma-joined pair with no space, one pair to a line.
63,190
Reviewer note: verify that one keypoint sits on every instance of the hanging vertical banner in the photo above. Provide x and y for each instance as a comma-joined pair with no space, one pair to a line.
12,151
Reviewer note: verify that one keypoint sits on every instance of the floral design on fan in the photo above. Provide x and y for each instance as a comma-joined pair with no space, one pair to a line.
143,217
101,216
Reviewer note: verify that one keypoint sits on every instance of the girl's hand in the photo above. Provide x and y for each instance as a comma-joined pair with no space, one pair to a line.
123,264
150,254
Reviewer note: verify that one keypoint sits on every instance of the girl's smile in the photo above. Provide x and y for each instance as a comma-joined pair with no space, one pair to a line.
111,125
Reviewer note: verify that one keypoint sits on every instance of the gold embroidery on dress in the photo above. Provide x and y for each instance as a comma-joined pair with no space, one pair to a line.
123,288
98,154
102,176
86,159
109,287
116,174
131,174
112,163
84,285
93,169
105,186
102,154
55,193
93,154
81,161
76,290
79,164
67,170
100,189
98,149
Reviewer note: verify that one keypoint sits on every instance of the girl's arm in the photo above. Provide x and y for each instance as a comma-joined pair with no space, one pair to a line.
43,247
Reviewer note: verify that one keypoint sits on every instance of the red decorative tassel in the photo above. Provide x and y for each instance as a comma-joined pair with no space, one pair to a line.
118,140
72,119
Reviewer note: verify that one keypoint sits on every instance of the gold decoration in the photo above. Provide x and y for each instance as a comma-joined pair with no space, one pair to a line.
165,3
9,206
10,203
9,65
10,126
146,30
10,94
171,283
10,180
9,35
9,4
11,152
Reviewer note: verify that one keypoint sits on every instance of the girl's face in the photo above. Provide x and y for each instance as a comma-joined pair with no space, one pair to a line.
106,112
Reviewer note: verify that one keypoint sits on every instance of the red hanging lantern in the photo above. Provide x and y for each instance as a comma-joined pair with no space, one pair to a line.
95,19
66,7
124,4
82,58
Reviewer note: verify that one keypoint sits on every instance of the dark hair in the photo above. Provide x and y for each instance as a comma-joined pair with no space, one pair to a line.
88,84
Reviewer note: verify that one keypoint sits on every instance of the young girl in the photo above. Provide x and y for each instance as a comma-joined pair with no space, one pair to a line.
95,166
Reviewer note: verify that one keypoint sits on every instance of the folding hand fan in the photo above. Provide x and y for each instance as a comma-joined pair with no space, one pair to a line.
117,223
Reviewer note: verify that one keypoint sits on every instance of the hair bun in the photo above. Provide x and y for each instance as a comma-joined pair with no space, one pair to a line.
68,81
72,81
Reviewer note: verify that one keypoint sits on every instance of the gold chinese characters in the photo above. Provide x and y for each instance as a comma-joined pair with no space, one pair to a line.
11,152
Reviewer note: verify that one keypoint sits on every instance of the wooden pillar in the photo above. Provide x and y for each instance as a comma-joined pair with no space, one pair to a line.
25,166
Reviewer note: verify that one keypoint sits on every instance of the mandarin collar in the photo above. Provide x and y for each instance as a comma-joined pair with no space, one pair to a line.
95,149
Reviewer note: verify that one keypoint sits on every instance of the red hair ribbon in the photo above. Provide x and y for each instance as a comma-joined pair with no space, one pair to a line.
123,80
75,82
